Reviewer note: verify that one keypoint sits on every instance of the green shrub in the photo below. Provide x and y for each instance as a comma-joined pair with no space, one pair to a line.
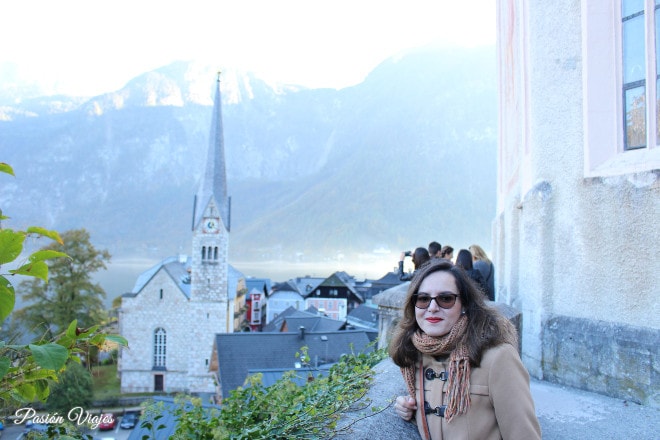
286,410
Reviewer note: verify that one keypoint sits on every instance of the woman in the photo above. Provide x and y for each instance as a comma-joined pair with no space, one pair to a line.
464,261
459,360
482,263
447,252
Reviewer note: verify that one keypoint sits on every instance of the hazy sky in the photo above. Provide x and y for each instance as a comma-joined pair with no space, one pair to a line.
91,47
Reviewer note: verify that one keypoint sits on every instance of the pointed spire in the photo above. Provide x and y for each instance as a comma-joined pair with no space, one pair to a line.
214,180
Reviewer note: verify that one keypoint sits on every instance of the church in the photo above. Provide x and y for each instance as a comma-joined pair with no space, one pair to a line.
176,308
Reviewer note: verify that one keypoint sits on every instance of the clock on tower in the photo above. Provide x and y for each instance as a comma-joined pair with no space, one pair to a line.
210,225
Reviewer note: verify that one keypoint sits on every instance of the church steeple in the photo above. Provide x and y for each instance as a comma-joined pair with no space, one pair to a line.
213,185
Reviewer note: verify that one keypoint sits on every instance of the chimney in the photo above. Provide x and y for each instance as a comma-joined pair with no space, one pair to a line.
302,332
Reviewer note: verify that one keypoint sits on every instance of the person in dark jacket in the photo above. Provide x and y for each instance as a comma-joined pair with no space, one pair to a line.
419,257
464,261
482,263
434,249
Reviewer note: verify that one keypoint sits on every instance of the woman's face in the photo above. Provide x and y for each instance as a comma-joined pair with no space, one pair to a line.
435,320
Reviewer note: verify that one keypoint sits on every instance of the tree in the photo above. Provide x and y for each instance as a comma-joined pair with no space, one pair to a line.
74,388
70,292
26,369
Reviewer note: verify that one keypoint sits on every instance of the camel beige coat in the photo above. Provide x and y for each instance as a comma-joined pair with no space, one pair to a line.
501,402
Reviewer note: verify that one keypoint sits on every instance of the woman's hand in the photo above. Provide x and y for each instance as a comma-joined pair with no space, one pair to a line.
405,407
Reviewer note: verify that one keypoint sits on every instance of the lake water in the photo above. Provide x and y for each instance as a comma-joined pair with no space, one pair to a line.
122,273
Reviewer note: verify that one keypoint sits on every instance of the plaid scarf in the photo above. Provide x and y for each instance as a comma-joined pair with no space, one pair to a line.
458,383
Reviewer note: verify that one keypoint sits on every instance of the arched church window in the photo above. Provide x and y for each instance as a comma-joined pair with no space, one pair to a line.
160,347
215,253
203,253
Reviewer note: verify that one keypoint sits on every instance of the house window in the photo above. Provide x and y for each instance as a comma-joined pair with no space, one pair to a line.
620,52
633,57
160,346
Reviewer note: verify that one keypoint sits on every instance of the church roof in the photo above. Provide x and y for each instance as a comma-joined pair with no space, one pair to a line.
176,267
214,181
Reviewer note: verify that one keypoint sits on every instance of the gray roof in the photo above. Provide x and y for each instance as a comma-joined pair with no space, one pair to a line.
363,316
312,322
271,375
276,324
310,319
168,420
238,353
306,284
263,285
388,281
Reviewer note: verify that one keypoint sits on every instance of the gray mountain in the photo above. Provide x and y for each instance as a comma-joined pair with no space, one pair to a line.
406,157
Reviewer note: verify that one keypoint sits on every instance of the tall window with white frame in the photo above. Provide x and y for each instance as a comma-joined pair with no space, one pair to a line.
656,17
160,348
639,19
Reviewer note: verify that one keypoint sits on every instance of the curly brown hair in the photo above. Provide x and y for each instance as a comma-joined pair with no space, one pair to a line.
486,326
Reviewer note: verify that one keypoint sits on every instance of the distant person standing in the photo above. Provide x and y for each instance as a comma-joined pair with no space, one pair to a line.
464,261
447,252
434,249
482,263
419,257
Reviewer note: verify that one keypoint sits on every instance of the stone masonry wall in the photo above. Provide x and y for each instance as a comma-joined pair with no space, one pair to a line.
614,359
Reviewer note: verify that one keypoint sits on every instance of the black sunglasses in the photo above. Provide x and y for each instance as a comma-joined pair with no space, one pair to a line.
444,300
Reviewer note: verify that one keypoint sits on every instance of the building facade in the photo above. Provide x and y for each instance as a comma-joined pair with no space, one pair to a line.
335,297
171,316
576,234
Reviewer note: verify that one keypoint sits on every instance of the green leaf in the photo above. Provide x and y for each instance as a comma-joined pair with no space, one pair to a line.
88,332
50,356
117,339
46,255
11,245
7,298
6,168
5,363
46,233
26,391
71,330
37,270
42,389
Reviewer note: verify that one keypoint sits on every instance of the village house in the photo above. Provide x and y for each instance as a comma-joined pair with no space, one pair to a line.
335,296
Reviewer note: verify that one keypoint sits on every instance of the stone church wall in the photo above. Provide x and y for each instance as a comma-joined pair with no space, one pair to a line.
183,321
